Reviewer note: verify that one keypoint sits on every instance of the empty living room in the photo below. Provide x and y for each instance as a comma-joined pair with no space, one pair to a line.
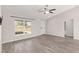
39,28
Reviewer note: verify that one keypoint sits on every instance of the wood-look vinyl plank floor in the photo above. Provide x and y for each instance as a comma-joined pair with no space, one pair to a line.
42,44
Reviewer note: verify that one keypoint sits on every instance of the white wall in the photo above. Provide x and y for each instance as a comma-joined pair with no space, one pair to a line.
0,32
0,40
55,25
76,29
8,27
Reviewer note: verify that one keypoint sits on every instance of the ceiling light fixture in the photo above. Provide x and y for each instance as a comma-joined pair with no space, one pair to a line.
45,10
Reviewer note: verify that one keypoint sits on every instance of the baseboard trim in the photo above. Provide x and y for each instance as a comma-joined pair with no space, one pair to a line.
22,39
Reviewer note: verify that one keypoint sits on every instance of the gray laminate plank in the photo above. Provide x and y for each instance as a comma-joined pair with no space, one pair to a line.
42,44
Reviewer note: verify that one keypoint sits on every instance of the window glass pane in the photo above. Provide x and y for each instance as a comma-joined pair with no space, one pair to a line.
19,22
23,26
19,26
28,27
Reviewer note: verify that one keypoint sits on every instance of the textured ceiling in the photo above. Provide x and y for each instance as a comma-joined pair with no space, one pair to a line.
32,11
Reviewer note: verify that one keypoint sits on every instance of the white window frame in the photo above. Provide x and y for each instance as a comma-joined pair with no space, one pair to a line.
24,20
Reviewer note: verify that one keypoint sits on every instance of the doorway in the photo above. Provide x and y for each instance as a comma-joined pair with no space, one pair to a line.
68,28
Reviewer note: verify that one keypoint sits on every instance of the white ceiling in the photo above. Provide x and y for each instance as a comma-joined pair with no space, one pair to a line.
32,11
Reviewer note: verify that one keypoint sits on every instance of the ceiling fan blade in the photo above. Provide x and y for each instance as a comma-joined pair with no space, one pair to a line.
52,10
42,10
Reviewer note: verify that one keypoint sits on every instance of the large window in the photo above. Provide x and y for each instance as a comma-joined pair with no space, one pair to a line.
23,27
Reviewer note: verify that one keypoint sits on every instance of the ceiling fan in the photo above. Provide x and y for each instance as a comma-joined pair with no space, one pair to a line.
45,10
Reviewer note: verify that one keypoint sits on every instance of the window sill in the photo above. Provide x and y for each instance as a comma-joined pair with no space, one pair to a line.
21,34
